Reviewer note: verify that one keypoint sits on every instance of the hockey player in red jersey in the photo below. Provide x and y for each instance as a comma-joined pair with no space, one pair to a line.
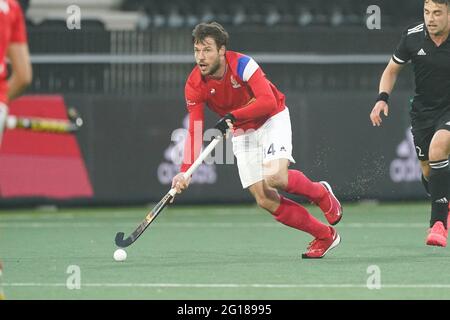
234,86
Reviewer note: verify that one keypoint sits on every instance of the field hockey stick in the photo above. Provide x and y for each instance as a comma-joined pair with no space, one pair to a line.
151,216
38,124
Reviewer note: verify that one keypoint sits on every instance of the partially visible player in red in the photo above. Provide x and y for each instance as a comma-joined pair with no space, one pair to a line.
13,45
233,85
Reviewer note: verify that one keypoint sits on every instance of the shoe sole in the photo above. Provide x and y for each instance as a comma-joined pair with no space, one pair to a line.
334,244
328,187
437,241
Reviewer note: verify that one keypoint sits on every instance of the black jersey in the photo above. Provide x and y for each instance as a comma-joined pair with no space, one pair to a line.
432,73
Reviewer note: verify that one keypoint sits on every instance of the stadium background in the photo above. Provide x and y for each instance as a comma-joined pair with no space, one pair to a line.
125,70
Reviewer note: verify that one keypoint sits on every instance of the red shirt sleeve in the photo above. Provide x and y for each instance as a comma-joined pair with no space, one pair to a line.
194,139
19,34
265,101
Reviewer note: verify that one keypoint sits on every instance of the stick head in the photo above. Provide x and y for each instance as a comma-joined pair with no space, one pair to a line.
121,242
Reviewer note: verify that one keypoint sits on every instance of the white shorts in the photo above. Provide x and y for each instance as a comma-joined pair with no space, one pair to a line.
3,118
273,140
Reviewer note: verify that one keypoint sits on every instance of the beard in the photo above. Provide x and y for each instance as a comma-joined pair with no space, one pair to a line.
214,68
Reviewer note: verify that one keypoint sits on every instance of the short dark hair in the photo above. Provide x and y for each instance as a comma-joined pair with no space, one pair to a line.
447,2
213,30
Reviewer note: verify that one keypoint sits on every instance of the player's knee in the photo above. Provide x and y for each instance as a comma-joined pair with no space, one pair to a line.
278,181
438,152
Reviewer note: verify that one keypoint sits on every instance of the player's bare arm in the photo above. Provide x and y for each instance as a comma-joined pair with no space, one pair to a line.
22,74
387,84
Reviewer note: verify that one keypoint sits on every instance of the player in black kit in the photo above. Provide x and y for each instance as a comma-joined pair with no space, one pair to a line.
427,46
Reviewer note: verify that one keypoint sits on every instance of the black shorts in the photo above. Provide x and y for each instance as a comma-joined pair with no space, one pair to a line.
422,136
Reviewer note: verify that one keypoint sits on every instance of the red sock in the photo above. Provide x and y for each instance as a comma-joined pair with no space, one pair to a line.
299,184
294,215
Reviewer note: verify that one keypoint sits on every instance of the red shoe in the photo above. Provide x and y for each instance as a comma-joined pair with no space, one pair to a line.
319,247
334,213
437,235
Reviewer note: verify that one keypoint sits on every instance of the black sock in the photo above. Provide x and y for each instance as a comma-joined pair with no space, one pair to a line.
426,185
439,189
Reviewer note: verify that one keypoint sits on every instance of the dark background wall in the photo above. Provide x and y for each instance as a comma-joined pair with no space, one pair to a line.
126,142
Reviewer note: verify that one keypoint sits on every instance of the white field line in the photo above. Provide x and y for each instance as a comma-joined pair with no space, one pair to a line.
229,285
371,225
